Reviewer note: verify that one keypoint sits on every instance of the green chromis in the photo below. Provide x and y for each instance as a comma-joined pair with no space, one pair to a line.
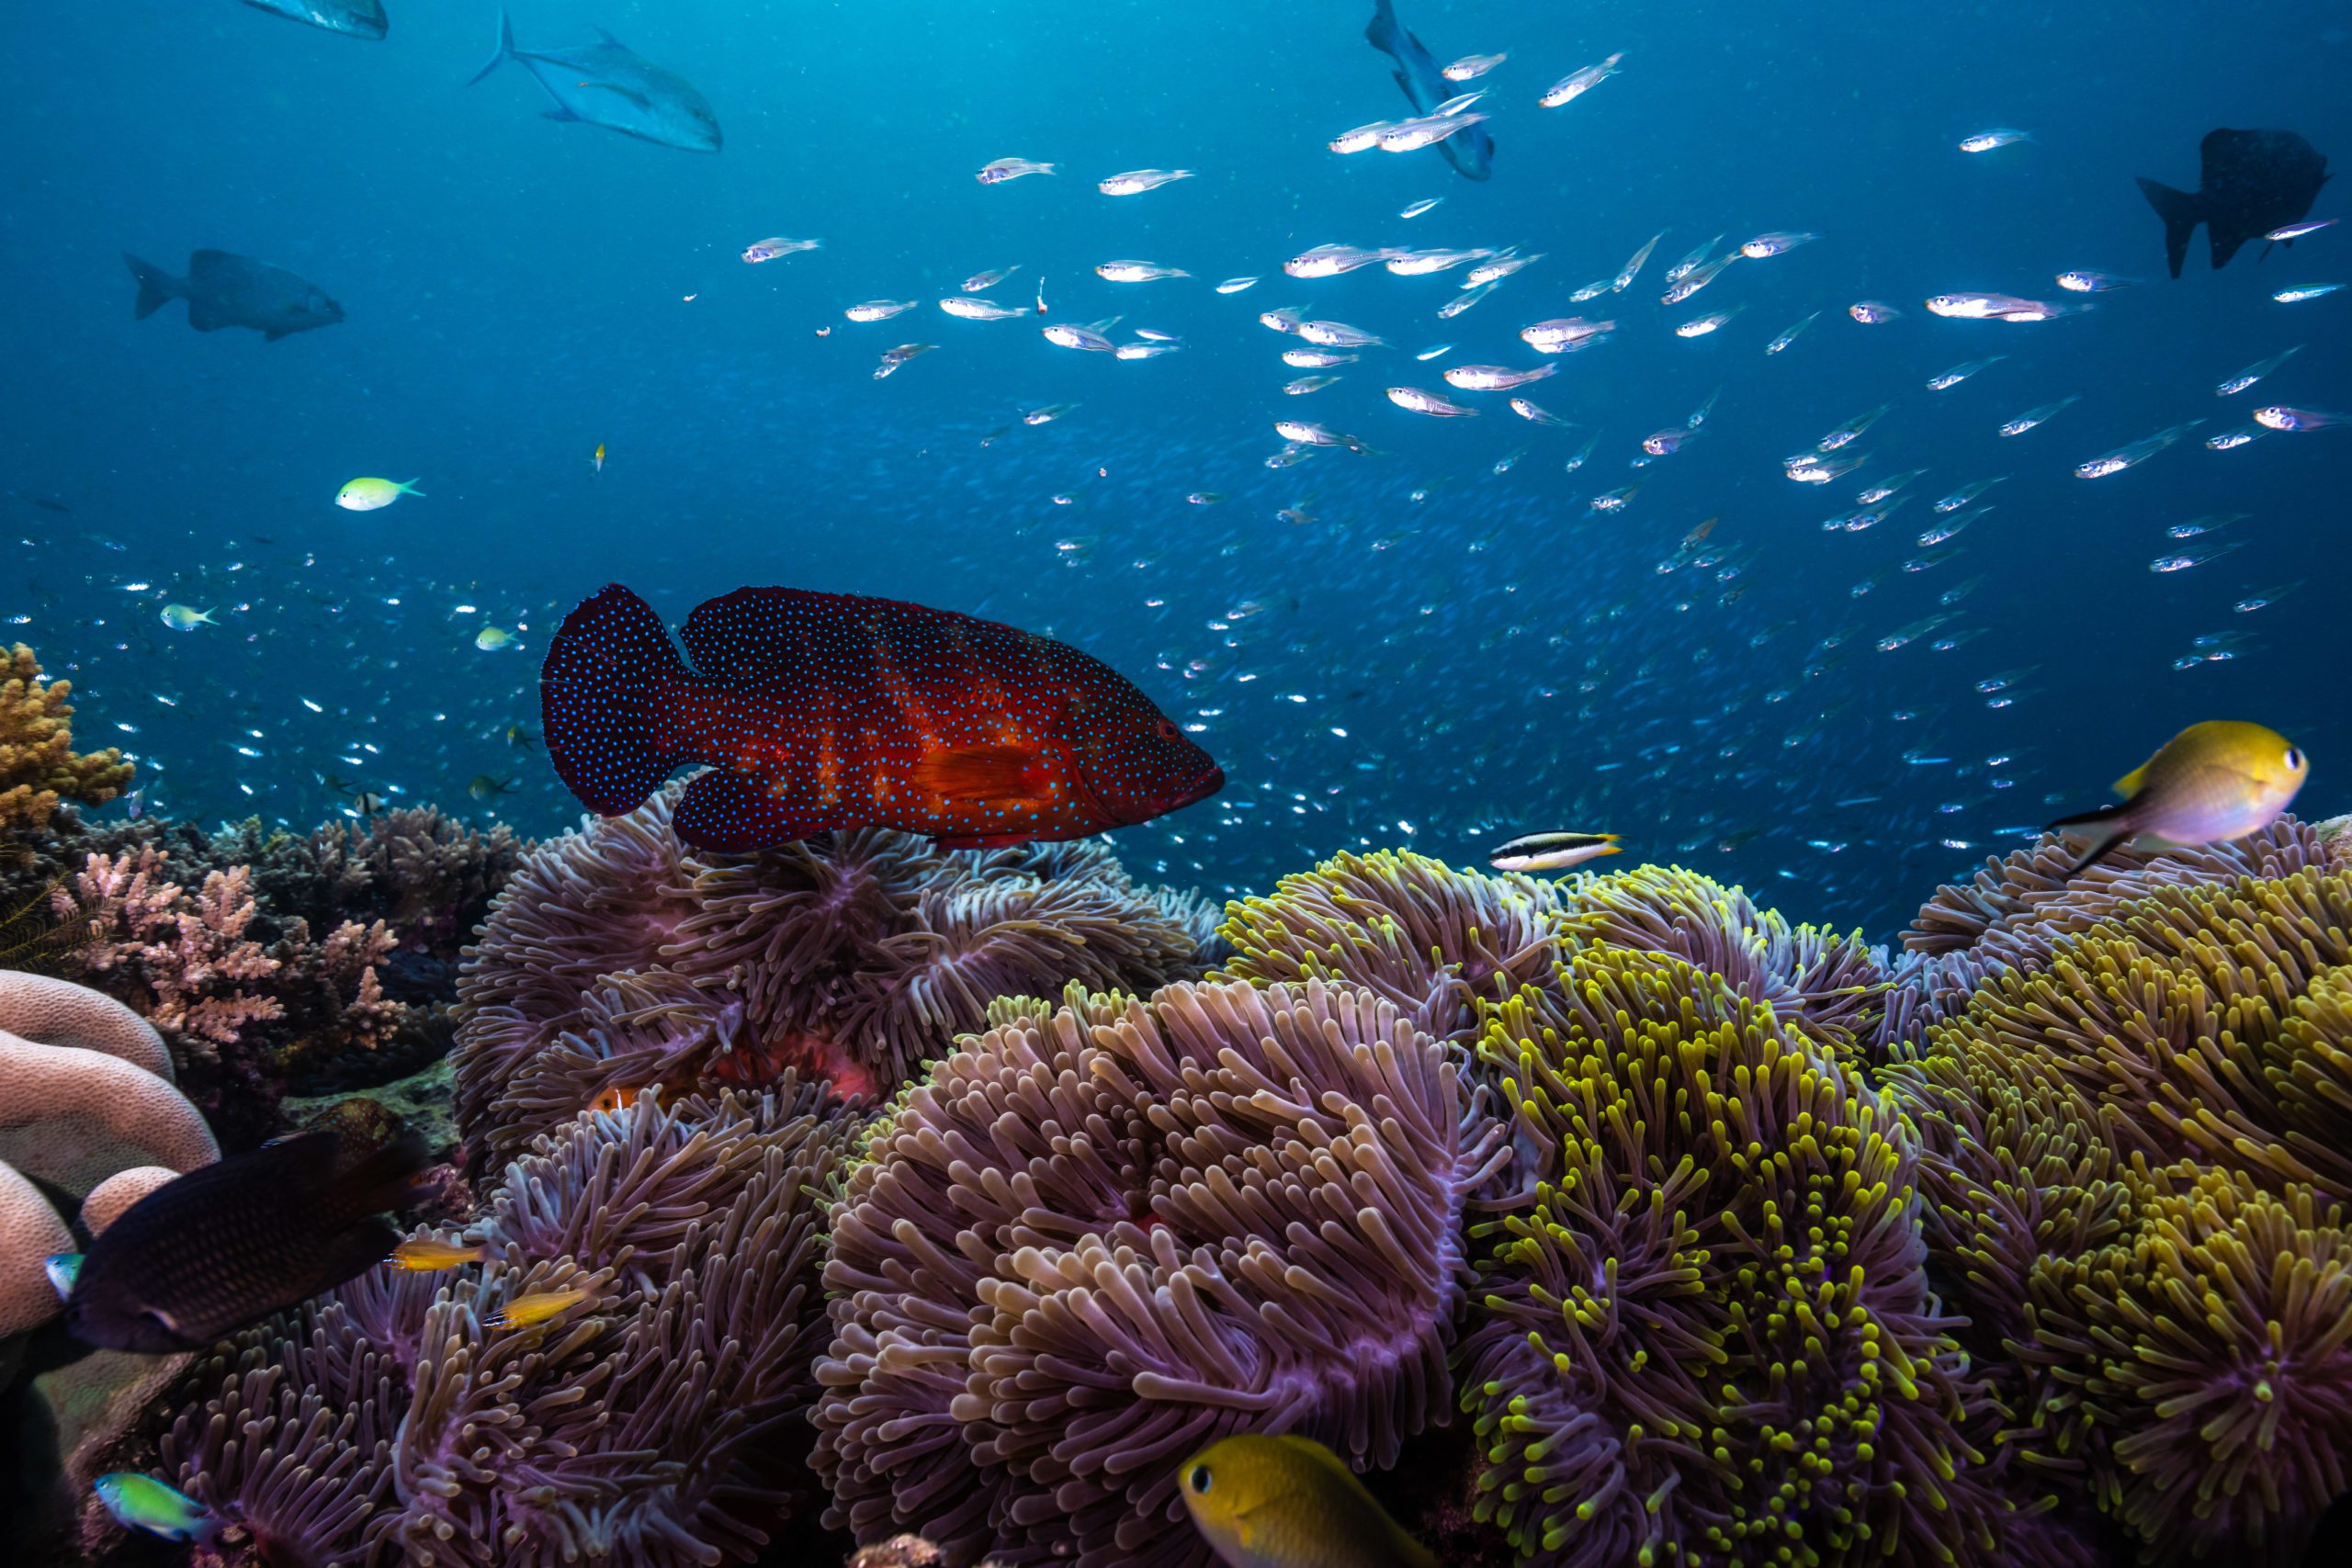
367,495
143,1503
493,639
63,1268
180,618
2212,782
1289,1502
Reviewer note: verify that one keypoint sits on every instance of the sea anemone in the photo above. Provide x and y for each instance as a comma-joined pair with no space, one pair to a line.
615,954
1093,1239
1434,941
648,1423
2136,1154
1705,1331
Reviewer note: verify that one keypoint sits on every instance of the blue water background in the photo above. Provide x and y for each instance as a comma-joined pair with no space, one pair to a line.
519,290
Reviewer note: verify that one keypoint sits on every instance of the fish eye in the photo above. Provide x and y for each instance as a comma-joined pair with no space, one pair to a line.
1199,1479
2294,759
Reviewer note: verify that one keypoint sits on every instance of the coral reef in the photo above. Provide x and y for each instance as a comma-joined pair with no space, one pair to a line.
618,958
1707,1333
88,1108
648,1423
39,769
1097,1237
2141,1165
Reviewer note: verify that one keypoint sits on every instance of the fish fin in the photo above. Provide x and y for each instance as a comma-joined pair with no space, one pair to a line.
559,112
2115,831
377,1183
271,335
980,773
505,48
2181,212
201,317
410,488
609,38
733,813
2129,784
155,287
355,1251
1382,30
984,841
606,696
2224,245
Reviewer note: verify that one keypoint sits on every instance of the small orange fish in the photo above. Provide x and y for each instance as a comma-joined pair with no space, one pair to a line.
617,1096
430,1254
535,1308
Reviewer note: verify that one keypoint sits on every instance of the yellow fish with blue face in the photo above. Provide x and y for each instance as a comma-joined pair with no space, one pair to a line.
2212,783
1289,1502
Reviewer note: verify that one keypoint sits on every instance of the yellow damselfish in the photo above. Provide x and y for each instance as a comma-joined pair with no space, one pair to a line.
428,1254
1289,1502
537,1307
2212,782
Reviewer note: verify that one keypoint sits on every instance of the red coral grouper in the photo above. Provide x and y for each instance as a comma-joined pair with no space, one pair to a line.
827,711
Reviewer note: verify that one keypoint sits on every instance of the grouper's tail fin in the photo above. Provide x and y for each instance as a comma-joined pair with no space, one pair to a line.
155,287
608,697
1382,32
2182,211
505,48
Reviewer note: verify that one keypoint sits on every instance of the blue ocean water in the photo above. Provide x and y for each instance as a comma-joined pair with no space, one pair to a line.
1489,658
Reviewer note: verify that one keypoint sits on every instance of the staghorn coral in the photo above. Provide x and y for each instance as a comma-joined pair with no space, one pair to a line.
39,769
1706,1333
617,957
648,1424
2138,1154
239,1015
1097,1237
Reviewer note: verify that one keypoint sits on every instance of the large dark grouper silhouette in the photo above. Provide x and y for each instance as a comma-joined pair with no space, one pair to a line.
1470,150
2254,181
822,712
225,290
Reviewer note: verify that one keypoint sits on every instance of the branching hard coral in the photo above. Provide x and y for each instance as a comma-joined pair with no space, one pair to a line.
240,1016
1095,1238
650,1423
2017,908
424,873
854,956
1432,940
39,769
1706,1333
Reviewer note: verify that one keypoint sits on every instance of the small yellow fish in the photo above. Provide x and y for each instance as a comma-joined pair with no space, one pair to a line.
367,495
2212,782
1289,1502
485,787
598,460
536,1307
427,1254
494,639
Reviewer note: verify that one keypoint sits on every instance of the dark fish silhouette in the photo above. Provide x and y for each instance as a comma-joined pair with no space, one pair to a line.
2331,1542
820,712
225,290
357,18
228,1244
2254,181
1470,150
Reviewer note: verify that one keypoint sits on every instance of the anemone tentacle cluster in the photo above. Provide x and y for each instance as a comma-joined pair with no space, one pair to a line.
2141,1170
647,1423
1096,1238
616,956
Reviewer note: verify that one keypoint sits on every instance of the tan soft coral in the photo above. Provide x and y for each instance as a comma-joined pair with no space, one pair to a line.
39,769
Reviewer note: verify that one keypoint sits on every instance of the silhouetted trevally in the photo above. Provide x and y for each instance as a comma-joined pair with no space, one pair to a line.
225,290
1470,150
2254,181
604,84
361,19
